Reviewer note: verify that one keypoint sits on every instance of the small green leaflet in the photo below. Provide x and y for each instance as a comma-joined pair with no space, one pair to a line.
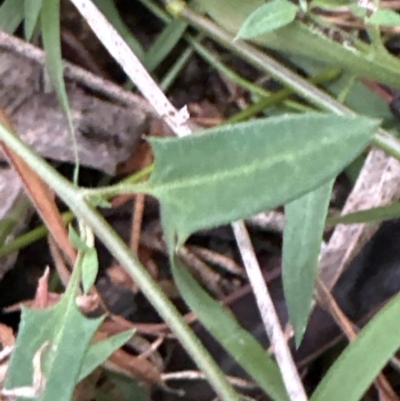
234,171
267,18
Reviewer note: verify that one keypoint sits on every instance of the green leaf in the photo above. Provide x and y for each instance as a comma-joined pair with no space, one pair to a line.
302,238
11,15
267,18
32,11
164,43
310,40
360,363
68,334
234,171
384,16
90,268
100,351
222,325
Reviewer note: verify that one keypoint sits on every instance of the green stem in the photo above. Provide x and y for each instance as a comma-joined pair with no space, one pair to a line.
213,60
136,177
84,211
382,139
276,98
30,237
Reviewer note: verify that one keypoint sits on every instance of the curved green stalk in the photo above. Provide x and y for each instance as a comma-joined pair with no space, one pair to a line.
83,210
261,60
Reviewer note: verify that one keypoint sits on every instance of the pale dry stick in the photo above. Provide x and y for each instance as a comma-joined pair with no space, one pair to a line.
224,262
270,221
109,37
178,121
202,271
152,349
269,317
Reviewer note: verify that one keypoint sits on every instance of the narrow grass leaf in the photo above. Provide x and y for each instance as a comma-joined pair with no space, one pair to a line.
11,15
360,363
222,325
100,351
50,23
68,334
269,17
164,43
32,11
302,238
235,171
374,215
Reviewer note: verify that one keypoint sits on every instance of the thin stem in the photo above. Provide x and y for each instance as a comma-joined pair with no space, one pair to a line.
120,51
84,211
382,139
136,177
213,60
264,63
275,98
30,237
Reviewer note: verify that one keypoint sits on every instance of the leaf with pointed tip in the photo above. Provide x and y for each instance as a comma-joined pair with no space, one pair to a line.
234,171
68,333
32,11
100,351
267,18
302,238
